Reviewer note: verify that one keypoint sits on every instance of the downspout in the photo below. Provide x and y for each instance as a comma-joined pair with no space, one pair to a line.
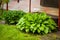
18,1
29,5
59,16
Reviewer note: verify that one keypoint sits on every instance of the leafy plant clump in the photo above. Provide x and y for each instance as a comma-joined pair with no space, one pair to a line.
0,17
12,17
40,23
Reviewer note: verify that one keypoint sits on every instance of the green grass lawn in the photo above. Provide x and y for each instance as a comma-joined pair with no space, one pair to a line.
9,32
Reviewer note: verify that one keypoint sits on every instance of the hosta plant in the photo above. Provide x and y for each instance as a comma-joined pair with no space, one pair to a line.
36,23
12,17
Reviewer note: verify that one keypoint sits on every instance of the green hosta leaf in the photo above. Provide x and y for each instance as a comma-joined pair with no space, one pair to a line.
35,28
33,31
26,27
12,22
38,31
40,21
21,28
41,28
31,22
21,20
52,27
38,25
27,23
22,23
27,30
46,30
45,22
33,25
51,22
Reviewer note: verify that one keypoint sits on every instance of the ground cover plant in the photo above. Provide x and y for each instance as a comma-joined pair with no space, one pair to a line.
0,17
12,17
36,23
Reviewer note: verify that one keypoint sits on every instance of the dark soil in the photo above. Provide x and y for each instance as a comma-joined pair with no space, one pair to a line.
51,36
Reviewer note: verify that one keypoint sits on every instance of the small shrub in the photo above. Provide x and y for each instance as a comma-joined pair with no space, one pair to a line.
40,23
0,17
12,17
